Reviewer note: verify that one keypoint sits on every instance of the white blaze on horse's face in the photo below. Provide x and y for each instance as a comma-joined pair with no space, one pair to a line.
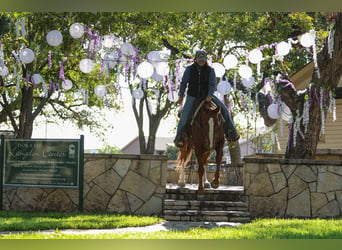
211,132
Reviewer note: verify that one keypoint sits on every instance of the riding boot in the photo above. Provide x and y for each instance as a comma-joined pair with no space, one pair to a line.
178,141
230,135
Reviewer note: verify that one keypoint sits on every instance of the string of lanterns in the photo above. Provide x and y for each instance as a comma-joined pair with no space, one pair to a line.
155,66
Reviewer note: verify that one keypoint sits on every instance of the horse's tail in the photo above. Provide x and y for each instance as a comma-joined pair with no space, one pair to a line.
184,155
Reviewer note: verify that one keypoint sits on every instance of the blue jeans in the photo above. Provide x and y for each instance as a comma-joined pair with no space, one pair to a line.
188,109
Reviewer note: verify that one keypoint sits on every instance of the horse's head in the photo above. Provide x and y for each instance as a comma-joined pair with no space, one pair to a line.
210,109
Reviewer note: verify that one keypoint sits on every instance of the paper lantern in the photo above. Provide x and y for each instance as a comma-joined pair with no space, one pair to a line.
111,59
153,56
245,71
138,93
172,96
36,78
54,38
67,84
127,49
162,68
248,82
283,48
145,70
255,56
157,77
273,111
219,69
26,56
224,87
76,30
86,65
3,70
230,61
108,41
307,40
100,90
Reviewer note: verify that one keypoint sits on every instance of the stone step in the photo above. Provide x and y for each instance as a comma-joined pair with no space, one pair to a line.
205,205
196,215
189,192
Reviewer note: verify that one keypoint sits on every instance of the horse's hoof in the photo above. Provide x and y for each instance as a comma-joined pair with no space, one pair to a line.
181,184
215,185
207,185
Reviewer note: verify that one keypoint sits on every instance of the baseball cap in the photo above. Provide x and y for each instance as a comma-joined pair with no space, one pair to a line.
201,55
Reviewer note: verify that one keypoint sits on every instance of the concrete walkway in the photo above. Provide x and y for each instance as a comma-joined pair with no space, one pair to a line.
163,226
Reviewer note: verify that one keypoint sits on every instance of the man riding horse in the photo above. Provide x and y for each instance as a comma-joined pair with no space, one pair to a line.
200,79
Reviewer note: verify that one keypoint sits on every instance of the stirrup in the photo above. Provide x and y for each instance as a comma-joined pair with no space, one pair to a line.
233,139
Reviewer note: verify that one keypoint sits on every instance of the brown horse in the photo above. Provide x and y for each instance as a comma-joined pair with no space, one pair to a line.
204,134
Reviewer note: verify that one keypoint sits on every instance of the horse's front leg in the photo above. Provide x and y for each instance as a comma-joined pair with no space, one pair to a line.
181,179
216,181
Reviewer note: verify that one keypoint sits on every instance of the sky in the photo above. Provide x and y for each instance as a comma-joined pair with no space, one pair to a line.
124,131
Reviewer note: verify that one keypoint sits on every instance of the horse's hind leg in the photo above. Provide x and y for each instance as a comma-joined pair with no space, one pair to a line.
206,182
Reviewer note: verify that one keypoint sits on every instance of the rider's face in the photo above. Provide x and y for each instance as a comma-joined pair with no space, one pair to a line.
201,63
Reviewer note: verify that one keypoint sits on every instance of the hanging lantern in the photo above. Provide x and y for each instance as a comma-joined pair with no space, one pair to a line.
224,87
108,41
127,49
157,77
76,30
145,70
138,93
219,69
248,82
273,111
100,90
307,40
255,56
230,61
86,65
245,71
67,84
111,59
36,78
154,57
3,70
26,55
162,68
54,38
283,48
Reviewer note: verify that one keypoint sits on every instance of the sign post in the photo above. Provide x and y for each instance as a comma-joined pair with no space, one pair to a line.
47,163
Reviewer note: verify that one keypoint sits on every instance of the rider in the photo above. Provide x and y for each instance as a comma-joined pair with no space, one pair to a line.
200,79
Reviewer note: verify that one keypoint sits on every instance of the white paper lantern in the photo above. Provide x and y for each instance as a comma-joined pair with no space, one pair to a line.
145,70
3,70
76,30
248,82
273,111
154,56
86,65
230,61
245,71
224,87
307,40
36,78
127,49
111,59
255,56
283,48
172,96
54,38
219,69
162,68
157,77
138,93
100,90
67,84
108,41
26,56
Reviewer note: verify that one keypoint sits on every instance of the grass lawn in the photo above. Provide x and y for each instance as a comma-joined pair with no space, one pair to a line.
257,229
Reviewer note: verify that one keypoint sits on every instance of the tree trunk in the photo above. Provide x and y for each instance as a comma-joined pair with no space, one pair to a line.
26,117
330,69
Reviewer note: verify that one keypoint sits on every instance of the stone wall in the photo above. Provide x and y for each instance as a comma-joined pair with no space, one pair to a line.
293,188
129,184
